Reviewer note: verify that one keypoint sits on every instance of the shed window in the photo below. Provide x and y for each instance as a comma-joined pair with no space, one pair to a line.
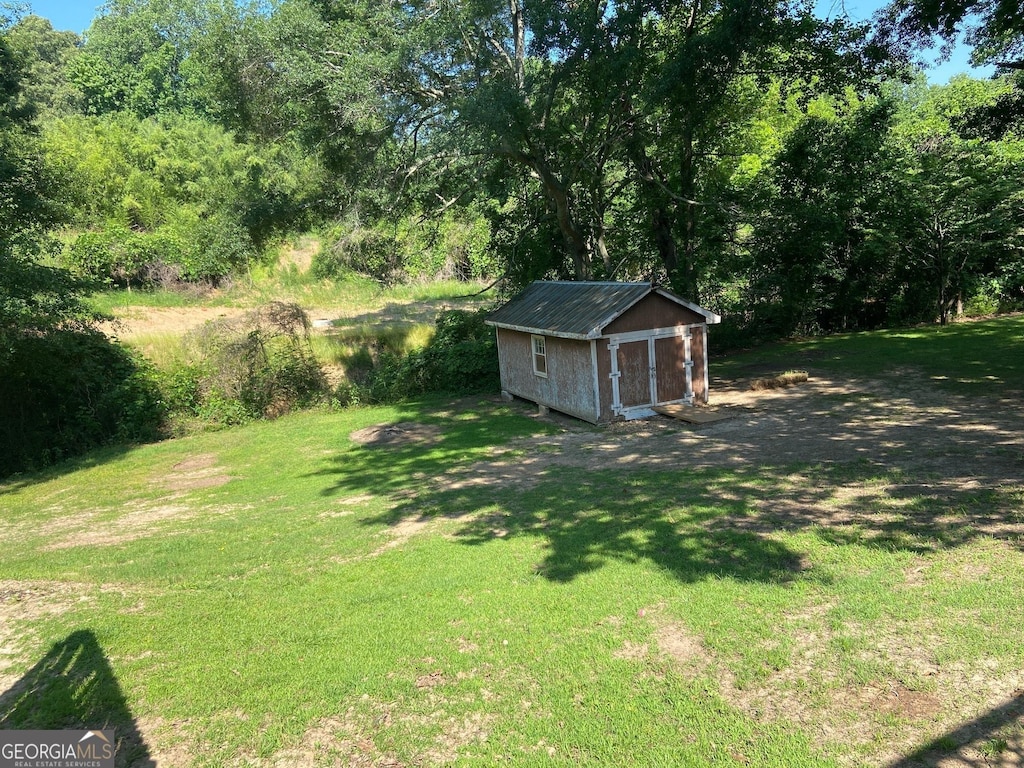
540,358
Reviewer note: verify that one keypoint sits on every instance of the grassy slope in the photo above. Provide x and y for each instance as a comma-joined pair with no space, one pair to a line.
274,589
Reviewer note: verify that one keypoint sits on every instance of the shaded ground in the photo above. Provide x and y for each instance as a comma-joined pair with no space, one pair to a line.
895,464
853,459
961,448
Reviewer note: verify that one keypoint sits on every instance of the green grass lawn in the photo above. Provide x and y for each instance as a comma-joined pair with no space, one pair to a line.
279,594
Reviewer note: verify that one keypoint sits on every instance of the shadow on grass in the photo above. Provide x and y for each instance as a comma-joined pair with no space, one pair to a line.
698,504
595,524
994,738
583,524
93,458
73,687
411,313
970,358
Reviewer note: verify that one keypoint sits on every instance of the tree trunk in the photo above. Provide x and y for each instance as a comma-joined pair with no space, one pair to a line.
665,241
684,281
575,240
659,205
577,246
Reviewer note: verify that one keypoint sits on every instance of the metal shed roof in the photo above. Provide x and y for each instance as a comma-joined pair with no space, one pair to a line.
577,310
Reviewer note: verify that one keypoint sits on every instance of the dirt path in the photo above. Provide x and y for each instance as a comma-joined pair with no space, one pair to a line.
138,322
926,441
135,322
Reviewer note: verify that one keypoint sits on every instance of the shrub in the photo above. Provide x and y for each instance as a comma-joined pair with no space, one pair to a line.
362,250
66,392
126,258
220,246
462,357
259,365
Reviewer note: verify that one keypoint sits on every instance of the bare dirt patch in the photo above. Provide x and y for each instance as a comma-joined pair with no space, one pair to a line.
935,451
883,719
351,738
809,692
141,518
403,433
397,535
200,471
133,322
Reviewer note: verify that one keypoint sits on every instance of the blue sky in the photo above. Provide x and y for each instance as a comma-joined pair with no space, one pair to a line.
77,14
863,10
74,15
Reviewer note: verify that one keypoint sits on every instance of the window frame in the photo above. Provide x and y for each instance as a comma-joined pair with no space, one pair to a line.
540,354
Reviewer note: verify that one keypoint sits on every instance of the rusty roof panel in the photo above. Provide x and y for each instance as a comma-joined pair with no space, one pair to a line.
575,310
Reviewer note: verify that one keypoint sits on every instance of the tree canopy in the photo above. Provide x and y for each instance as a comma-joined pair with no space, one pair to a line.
790,172
706,145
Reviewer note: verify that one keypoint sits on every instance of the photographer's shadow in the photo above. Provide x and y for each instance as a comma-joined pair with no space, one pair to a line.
74,687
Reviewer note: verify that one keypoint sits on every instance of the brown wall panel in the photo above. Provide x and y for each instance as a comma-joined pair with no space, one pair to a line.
653,311
670,358
634,363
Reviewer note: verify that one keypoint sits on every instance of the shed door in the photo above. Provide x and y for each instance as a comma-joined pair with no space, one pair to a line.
636,374
674,368
650,368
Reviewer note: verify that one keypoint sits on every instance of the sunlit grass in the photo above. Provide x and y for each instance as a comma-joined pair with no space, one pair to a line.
972,358
343,345
120,301
166,351
465,596
279,580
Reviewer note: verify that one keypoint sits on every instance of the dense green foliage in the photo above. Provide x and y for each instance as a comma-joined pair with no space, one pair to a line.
64,386
755,157
787,171
883,214
173,195
460,358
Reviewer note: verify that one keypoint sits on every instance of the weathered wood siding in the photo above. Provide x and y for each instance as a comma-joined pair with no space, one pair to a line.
569,385
700,363
670,359
634,363
653,311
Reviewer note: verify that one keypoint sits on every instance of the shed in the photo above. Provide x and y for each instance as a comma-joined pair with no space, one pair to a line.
602,351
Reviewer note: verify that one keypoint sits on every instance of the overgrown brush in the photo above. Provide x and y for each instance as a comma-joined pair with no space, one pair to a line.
67,391
258,365
461,357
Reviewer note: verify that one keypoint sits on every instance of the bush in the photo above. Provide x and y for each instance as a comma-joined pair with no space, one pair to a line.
461,358
219,246
66,392
127,258
364,251
259,365
452,247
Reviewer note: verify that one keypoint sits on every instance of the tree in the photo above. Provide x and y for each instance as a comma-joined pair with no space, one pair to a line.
881,214
175,192
994,27
958,219
822,259
617,115
44,56
157,56
64,387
